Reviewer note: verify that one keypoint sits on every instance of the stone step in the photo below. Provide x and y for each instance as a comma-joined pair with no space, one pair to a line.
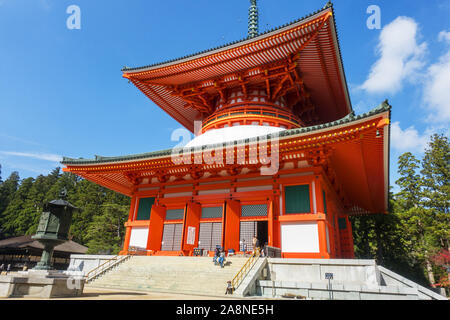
165,285
217,293
193,275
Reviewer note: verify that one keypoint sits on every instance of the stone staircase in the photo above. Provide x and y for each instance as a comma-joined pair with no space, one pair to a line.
186,275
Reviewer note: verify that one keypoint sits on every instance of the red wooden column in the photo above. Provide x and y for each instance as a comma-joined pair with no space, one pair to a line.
156,226
232,220
337,236
274,231
321,223
126,242
270,224
350,237
191,220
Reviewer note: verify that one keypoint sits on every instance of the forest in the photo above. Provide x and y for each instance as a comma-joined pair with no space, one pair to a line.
412,240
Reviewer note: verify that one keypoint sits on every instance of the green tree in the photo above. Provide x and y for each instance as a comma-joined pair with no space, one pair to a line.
106,232
15,219
416,219
382,237
436,193
7,190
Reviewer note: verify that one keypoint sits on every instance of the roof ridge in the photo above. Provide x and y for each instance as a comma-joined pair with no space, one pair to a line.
328,5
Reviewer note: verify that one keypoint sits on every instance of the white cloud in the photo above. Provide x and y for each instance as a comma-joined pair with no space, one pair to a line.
400,57
437,86
437,89
38,156
408,139
444,36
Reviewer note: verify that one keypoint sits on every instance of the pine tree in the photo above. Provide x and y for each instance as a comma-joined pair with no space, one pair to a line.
7,190
436,177
416,218
106,231
16,219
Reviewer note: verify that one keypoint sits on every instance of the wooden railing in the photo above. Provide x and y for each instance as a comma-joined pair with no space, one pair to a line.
104,267
245,269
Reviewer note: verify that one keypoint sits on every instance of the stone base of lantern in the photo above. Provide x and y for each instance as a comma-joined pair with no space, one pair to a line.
41,284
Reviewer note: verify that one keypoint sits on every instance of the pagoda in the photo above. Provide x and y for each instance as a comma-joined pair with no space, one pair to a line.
278,153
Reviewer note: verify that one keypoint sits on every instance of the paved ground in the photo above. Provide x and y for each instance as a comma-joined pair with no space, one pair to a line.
90,293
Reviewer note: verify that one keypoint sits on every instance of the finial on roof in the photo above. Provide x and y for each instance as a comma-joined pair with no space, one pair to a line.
328,5
253,19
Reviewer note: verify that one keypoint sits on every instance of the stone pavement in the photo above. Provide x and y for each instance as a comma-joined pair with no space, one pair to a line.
90,293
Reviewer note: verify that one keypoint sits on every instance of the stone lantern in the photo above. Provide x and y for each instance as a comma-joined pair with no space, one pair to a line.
53,228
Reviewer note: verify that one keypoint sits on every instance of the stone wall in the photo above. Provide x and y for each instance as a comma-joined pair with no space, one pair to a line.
352,280
86,262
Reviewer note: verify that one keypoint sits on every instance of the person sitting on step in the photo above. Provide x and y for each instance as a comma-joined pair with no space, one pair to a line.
216,256
229,288
222,258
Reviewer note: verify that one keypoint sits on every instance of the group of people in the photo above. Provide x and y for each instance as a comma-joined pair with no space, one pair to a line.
255,246
219,254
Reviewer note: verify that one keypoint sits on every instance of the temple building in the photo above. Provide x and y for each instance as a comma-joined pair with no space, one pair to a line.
278,153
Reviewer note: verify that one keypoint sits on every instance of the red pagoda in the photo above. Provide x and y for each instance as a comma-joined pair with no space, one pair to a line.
278,153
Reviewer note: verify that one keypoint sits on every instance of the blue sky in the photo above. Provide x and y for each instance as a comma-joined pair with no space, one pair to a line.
62,94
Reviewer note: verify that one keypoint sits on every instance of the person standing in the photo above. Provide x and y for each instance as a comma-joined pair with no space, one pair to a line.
255,243
8,268
2,267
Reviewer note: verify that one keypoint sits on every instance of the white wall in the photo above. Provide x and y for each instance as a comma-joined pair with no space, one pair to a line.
300,237
139,237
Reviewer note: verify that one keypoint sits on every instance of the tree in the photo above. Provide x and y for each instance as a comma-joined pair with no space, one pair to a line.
382,237
16,219
106,232
7,190
436,193
416,218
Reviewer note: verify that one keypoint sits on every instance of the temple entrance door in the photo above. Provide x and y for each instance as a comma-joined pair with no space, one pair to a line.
262,232
210,235
172,235
248,229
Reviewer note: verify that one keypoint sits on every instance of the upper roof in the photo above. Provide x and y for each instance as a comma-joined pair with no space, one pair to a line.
311,43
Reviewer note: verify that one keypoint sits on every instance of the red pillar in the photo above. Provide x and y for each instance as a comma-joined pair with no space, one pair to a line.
191,220
350,239
323,239
232,221
126,242
156,226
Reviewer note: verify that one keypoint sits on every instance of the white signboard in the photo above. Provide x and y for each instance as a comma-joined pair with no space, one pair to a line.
191,235
300,237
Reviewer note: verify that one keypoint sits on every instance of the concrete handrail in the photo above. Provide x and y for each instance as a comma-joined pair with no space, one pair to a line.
105,267
422,290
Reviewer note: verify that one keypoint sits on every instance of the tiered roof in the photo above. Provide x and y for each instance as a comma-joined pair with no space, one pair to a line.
308,47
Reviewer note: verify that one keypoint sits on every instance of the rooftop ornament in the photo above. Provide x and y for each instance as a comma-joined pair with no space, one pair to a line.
253,20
